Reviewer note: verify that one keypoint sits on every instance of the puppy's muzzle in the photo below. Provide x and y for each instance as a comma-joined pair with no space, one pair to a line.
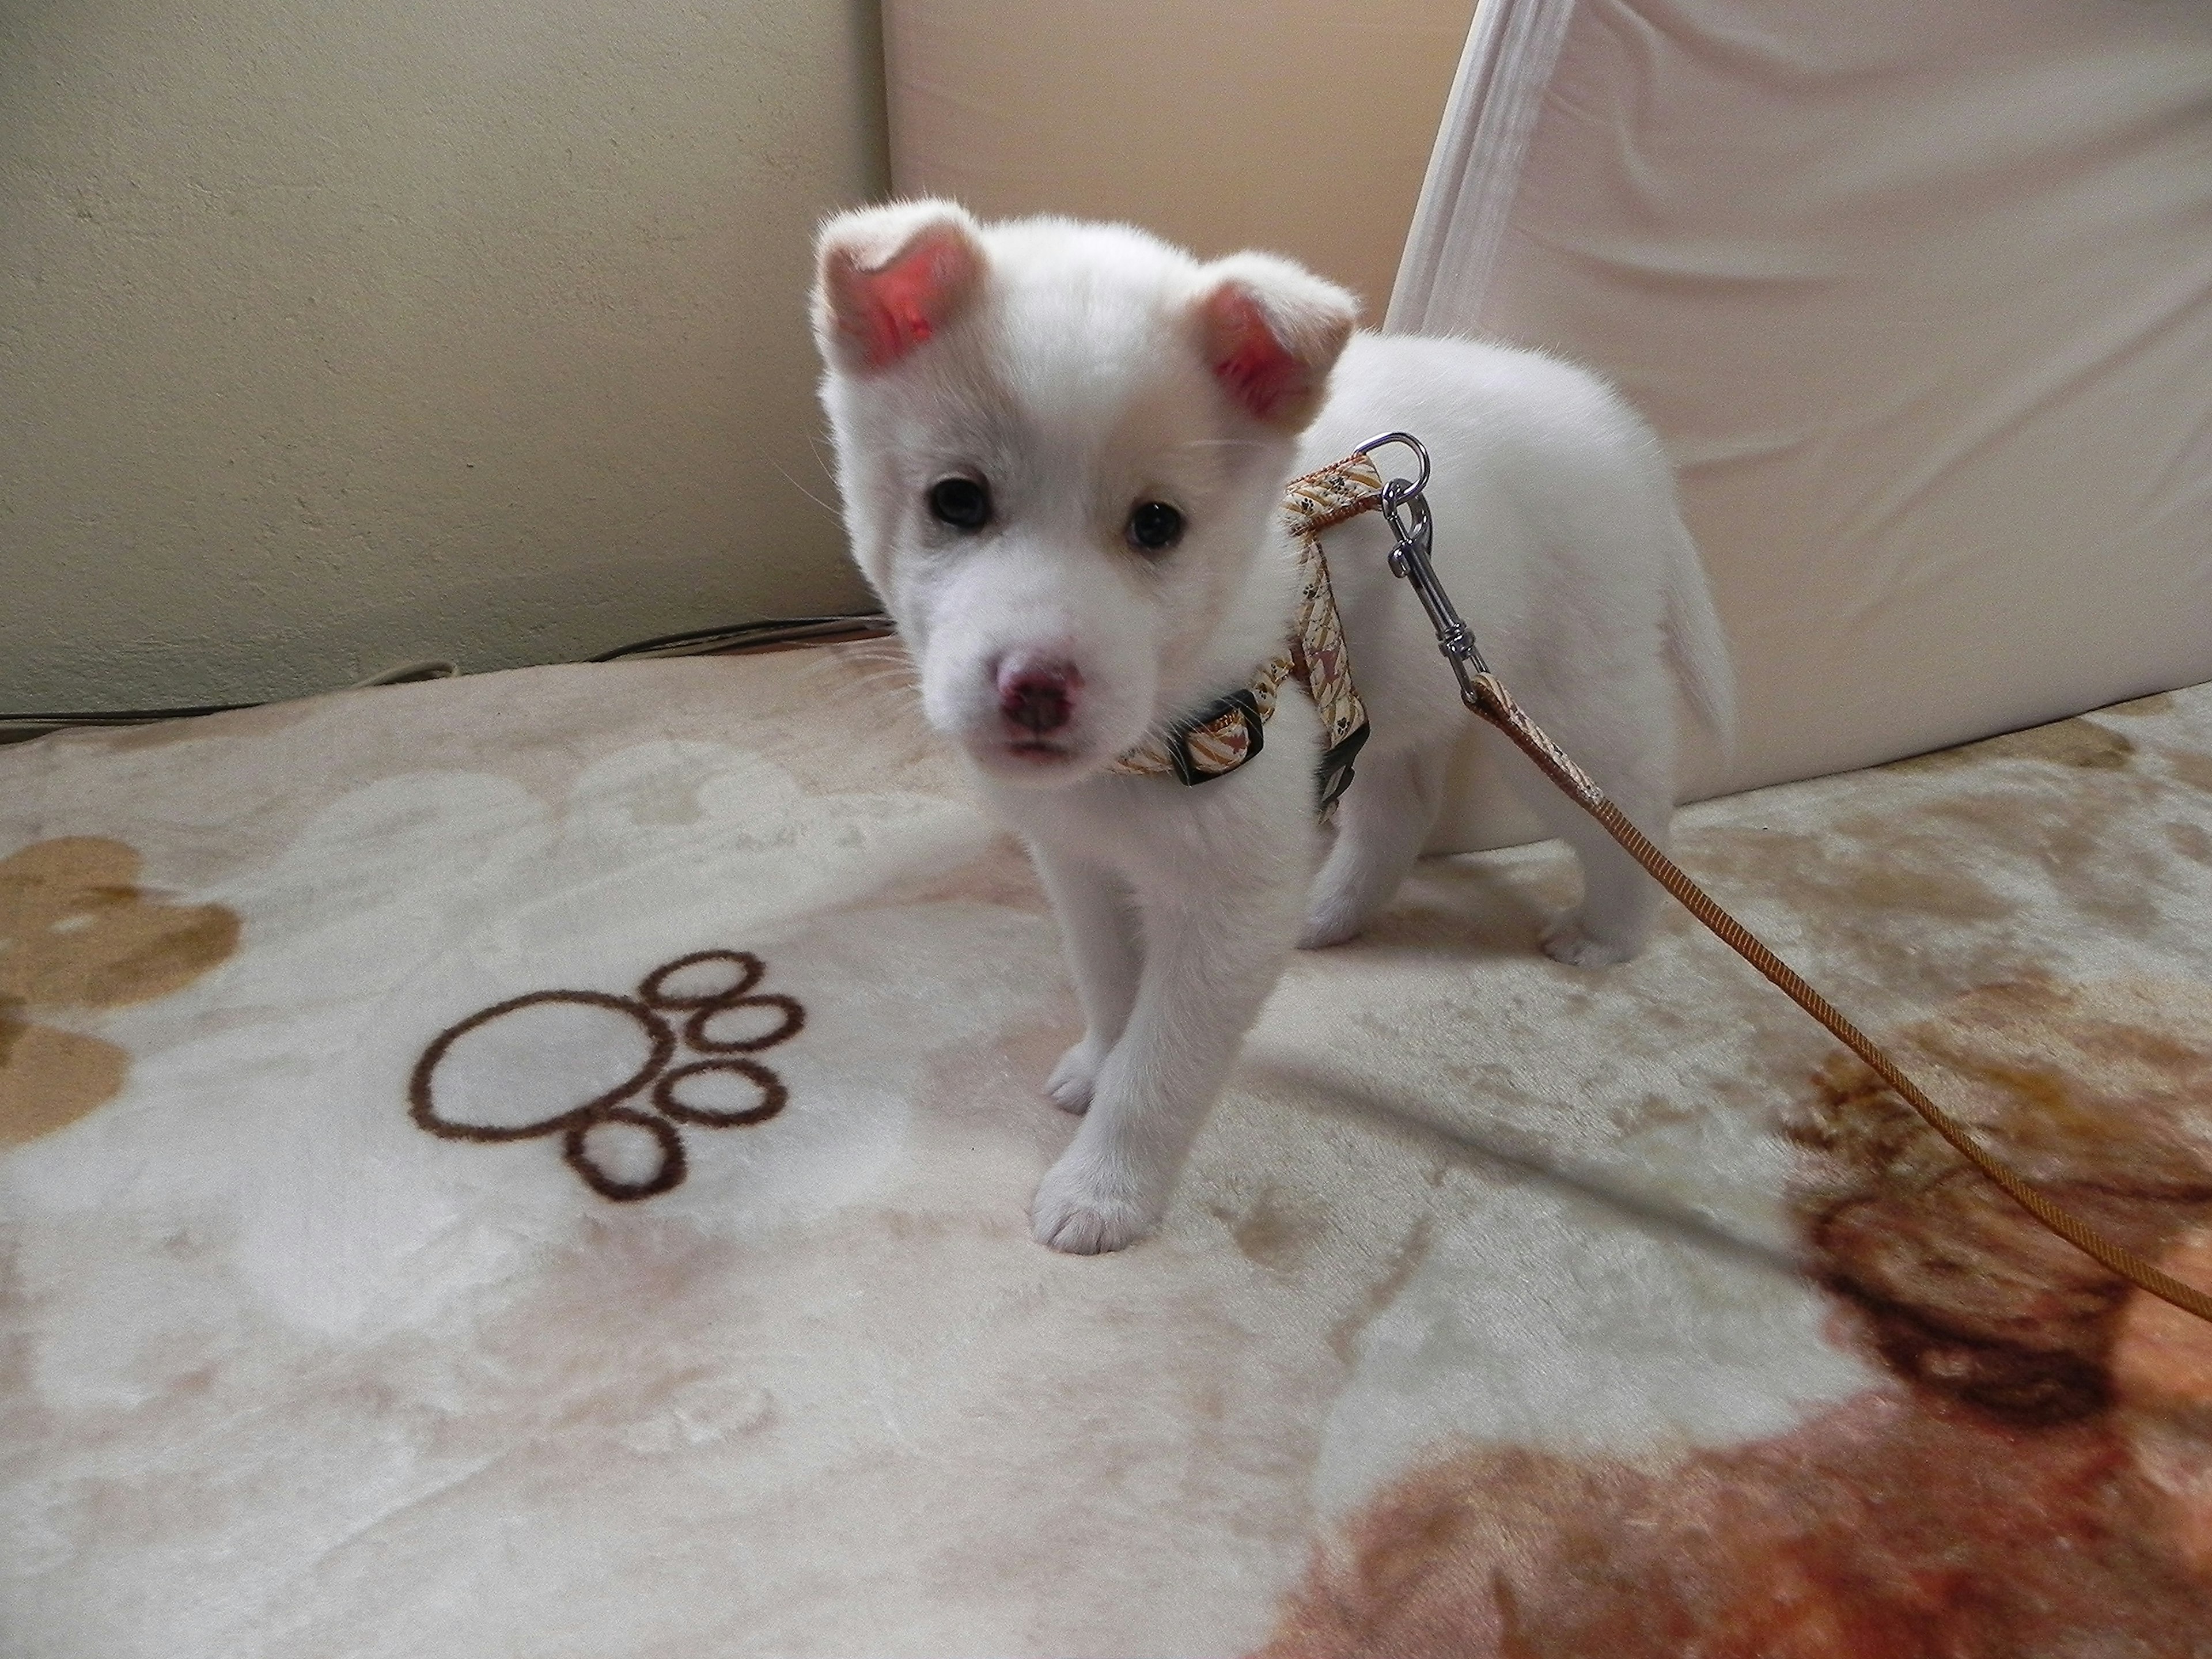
1037,694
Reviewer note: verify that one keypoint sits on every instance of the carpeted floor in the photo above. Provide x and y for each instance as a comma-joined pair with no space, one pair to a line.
363,1299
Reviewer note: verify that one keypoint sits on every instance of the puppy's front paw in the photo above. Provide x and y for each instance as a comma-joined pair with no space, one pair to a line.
1072,1081
1079,1211
1569,940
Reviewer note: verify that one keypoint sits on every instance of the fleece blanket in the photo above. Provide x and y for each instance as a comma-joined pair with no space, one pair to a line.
536,1165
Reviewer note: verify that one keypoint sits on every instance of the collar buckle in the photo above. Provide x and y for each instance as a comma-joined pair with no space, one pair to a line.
1177,742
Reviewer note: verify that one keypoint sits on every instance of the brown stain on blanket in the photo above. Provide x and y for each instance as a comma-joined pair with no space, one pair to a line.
2077,742
77,931
1881,1530
2037,1483
2096,1095
2193,770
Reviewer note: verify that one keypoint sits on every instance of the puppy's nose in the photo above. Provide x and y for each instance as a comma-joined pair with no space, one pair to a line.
1037,694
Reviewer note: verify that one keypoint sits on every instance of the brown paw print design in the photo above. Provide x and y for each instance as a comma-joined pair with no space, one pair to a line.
79,934
678,1006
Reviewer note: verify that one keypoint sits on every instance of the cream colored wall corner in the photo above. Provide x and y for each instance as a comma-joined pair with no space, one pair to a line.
1287,124
332,336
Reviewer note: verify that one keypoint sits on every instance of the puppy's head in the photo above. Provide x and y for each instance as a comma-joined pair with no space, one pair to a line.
1060,448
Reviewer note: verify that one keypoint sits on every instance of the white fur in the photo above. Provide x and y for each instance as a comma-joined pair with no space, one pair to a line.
1072,366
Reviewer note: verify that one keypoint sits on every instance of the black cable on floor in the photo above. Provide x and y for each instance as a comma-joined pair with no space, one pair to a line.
733,637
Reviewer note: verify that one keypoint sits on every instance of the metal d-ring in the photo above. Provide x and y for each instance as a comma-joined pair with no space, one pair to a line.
1399,488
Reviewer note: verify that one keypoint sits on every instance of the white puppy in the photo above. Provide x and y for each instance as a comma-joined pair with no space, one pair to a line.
1062,449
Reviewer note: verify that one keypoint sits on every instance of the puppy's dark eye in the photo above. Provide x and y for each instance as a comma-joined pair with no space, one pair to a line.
1155,526
963,503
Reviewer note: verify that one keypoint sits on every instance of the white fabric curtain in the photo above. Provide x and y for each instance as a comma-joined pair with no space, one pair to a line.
1919,293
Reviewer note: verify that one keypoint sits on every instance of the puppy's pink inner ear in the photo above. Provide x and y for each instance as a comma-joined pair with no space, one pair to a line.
1255,367
896,307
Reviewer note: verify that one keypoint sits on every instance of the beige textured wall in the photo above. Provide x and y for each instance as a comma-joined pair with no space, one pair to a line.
333,335
1288,124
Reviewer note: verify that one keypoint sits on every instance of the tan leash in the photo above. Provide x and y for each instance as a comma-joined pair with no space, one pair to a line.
1353,486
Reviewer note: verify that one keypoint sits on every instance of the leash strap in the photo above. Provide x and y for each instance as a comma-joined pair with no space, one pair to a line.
1403,505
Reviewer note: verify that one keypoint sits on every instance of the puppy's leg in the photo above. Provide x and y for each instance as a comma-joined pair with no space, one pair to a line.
1382,823
1619,898
1210,955
1098,930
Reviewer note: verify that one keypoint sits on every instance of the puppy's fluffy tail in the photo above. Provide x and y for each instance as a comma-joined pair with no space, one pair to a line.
1695,645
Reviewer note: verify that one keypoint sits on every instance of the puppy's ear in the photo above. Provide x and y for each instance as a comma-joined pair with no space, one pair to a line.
1271,332
886,278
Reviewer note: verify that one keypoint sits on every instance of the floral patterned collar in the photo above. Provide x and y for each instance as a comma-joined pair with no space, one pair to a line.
1215,740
